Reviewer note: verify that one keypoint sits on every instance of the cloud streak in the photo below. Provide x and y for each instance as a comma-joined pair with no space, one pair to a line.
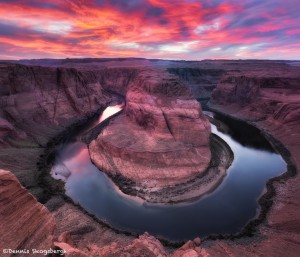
179,29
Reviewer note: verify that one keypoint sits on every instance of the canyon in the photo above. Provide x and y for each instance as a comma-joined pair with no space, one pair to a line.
162,125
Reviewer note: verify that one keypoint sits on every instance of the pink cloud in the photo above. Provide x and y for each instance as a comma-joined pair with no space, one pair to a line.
150,28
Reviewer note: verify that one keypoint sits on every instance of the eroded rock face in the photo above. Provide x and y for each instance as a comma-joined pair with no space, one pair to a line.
191,249
201,80
7,130
24,223
261,95
161,139
271,102
145,245
33,97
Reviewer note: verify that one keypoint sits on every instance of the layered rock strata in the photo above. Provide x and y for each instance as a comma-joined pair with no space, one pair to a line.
34,98
270,101
24,223
162,138
221,159
261,95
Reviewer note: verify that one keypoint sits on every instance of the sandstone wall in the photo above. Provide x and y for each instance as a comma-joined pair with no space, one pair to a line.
24,223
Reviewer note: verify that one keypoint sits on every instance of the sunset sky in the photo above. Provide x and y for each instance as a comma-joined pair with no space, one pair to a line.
167,29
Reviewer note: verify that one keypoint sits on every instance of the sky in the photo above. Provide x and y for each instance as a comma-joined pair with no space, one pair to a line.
165,29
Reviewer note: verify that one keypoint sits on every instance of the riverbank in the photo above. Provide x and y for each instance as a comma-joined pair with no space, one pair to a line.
279,204
90,230
243,233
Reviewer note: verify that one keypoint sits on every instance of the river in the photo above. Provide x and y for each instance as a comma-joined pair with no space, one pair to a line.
225,210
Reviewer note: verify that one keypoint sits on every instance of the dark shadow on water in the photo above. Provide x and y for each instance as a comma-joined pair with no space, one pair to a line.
245,134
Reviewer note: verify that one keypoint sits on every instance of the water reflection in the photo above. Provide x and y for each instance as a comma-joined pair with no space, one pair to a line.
225,210
109,111
245,134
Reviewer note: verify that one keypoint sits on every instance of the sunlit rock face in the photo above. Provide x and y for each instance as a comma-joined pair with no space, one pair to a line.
161,139
25,223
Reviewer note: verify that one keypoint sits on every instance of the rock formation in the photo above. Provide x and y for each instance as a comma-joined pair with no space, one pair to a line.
37,97
24,223
201,80
261,95
161,139
144,246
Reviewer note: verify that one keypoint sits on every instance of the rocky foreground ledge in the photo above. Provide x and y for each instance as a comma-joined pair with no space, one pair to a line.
21,215
161,140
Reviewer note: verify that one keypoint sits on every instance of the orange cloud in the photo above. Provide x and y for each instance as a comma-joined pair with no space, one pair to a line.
187,29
